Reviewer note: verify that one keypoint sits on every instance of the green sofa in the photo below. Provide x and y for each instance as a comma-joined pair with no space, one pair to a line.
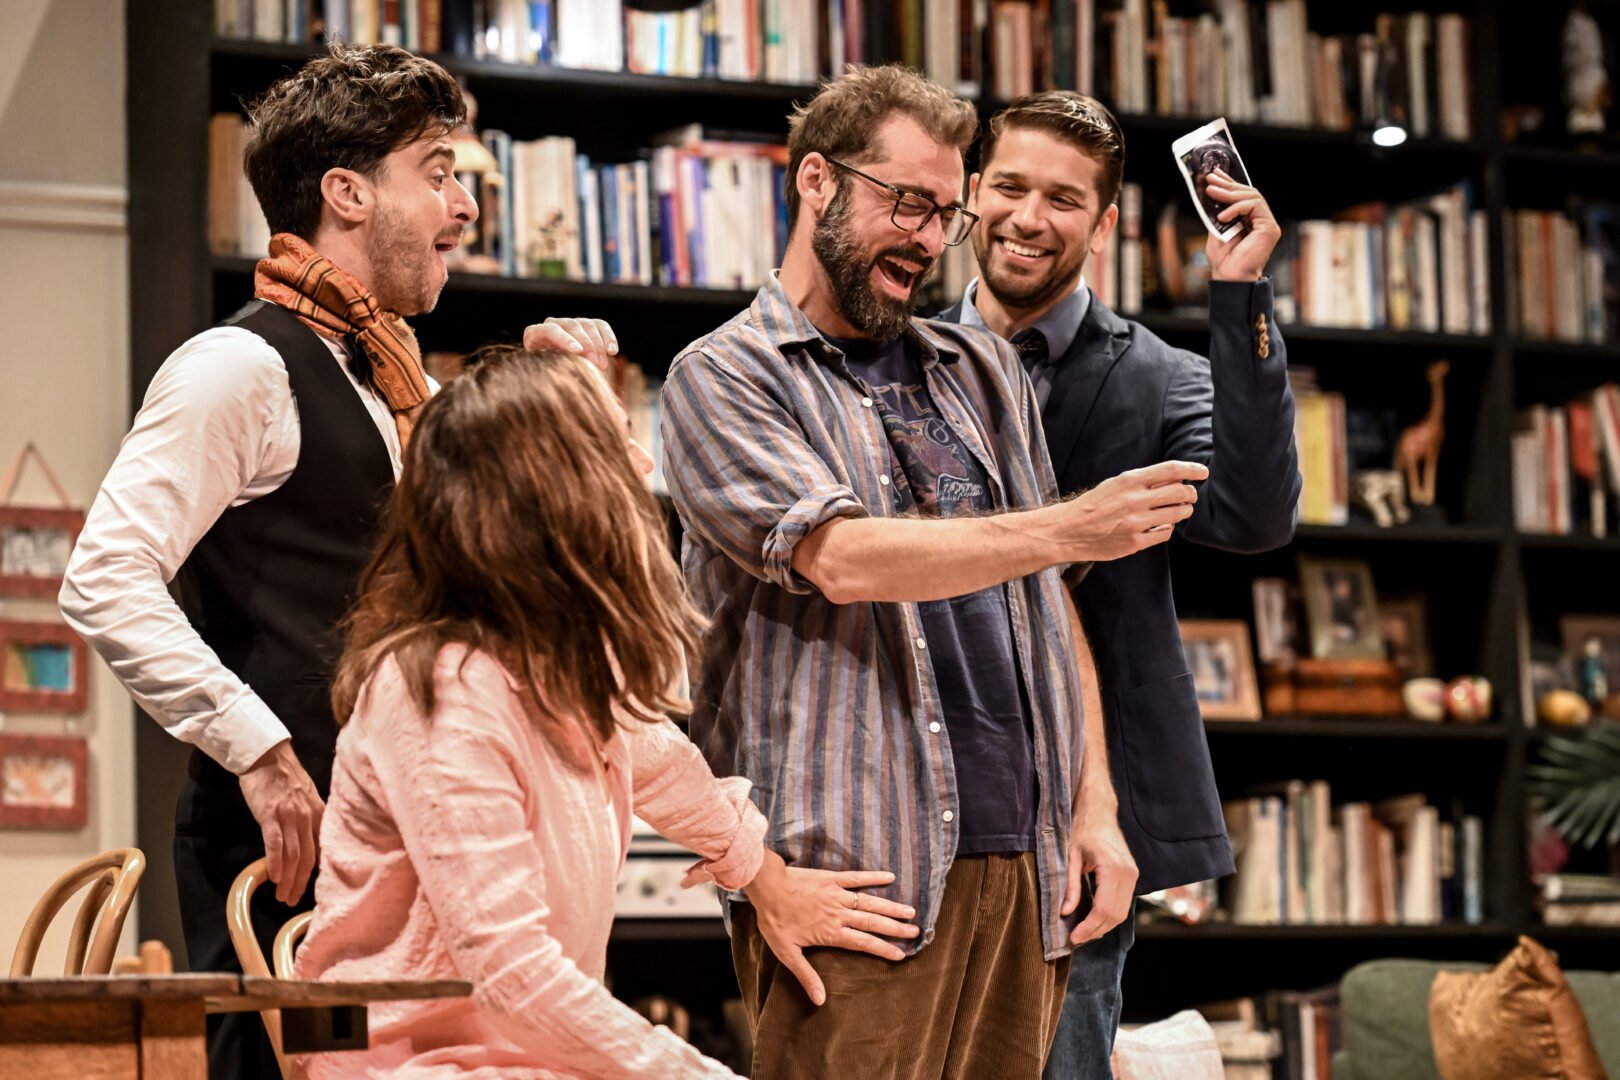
1384,1016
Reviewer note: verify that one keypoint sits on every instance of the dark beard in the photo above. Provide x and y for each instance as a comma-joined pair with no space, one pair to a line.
880,317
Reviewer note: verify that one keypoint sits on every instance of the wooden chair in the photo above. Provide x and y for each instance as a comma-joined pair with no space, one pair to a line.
239,916
113,877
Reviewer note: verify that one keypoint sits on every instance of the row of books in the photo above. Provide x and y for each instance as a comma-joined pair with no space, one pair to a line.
690,212
1563,273
1300,859
1422,265
1248,61
1261,62
1311,1026
1566,464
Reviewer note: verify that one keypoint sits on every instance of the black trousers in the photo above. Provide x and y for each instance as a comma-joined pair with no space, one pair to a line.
215,837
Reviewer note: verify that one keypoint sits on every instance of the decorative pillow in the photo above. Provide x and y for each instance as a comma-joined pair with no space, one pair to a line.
1180,1048
1518,1021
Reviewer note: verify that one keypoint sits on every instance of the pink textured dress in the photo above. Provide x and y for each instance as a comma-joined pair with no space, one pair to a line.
469,844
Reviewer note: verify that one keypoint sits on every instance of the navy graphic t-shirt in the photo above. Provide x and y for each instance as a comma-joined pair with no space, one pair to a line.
933,473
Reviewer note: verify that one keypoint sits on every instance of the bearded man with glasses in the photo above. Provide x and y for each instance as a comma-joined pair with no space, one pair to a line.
872,525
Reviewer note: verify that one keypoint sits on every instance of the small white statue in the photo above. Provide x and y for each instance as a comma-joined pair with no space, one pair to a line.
1383,492
1586,79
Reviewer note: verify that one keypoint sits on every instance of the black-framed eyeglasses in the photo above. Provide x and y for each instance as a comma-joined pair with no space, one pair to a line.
913,211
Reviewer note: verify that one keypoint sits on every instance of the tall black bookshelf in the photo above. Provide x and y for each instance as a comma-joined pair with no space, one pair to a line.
1484,580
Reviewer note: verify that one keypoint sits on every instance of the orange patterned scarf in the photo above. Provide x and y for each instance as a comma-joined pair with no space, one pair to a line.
332,301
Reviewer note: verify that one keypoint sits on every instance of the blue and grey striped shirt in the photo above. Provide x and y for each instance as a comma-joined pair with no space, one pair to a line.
832,710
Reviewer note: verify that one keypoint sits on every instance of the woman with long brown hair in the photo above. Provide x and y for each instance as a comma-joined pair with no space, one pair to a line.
508,665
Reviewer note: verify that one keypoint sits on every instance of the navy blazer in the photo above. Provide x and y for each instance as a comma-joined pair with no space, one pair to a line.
1123,399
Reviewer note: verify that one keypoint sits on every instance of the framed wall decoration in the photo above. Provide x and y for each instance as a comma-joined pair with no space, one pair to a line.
1222,668
44,667
1341,608
44,781
35,541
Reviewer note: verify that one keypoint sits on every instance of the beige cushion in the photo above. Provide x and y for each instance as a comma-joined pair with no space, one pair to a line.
1180,1048
1517,1021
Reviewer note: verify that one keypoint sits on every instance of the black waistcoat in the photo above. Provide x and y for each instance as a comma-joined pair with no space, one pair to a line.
268,584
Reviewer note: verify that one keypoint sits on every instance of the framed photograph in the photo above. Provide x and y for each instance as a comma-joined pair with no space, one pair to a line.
1403,621
1222,668
1578,630
44,667
44,781
1341,609
35,544
1276,620
1198,154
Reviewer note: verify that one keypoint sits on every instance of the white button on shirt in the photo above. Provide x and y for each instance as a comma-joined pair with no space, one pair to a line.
219,428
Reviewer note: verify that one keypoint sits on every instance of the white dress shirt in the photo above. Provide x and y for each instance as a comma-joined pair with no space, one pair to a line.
219,428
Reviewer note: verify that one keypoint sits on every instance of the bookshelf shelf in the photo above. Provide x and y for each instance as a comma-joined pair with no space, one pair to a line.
1340,727
727,301
1572,349
1570,543
1411,534
548,76
1173,931
1164,323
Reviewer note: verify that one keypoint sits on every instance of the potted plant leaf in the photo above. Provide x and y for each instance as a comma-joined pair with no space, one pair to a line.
1578,780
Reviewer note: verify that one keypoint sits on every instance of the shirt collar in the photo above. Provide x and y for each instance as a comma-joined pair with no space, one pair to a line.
1060,326
791,331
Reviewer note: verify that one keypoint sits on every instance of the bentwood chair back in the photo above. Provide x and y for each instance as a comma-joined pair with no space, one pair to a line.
239,916
112,877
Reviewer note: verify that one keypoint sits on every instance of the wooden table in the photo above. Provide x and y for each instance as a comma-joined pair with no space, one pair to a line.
153,1027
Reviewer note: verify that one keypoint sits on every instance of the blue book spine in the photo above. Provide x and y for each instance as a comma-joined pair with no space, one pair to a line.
610,222
778,178
540,35
500,144
699,179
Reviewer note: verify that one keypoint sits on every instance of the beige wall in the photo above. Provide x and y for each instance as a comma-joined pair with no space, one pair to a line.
64,366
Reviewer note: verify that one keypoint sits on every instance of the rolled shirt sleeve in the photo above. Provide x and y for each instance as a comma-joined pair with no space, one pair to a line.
742,471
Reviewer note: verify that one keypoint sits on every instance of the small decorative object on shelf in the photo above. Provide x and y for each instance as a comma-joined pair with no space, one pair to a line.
1468,699
1417,454
1342,687
35,541
1382,493
1586,77
44,781
1222,668
1594,677
1404,623
1425,699
1592,648
1563,708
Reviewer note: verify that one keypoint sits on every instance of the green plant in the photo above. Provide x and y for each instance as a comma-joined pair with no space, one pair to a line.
1579,778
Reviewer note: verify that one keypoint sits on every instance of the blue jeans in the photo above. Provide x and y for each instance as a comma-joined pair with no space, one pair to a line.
1091,1005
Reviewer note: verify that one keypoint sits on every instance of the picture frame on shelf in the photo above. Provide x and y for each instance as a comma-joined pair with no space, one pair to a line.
1276,620
44,781
1403,621
1222,666
1341,608
44,667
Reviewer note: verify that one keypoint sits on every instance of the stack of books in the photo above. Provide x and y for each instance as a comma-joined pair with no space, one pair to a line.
1300,859
1580,900
1566,464
1322,448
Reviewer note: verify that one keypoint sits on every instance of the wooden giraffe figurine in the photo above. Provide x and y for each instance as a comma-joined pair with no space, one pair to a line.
1417,453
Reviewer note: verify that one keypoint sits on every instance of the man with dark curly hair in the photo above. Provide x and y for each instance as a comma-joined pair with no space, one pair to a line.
254,474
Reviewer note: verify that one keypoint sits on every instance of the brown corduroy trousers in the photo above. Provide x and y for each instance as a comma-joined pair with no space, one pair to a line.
977,1003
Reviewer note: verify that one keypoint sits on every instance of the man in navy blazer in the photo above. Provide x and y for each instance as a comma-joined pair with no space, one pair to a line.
1114,397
